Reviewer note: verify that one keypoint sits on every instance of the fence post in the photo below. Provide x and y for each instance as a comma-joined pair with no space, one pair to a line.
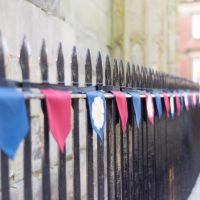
110,137
46,188
116,132
76,149
62,156
124,145
140,139
136,143
24,63
89,132
4,158
100,144
130,134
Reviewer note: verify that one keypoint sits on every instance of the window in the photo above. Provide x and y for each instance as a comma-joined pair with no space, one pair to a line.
196,26
196,70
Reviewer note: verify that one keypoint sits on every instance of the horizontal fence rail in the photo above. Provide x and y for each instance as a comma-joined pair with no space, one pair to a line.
154,162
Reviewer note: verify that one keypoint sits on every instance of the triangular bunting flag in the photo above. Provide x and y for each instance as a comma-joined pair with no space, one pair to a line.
172,105
13,120
158,103
136,100
97,109
122,107
178,105
167,105
186,101
199,98
191,99
149,107
59,114
182,102
194,100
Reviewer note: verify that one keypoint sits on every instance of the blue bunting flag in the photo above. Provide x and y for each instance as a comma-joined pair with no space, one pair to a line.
158,103
14,125
136,100
97,109
182,102
186,101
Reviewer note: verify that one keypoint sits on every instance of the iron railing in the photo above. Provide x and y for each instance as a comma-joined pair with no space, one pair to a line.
150,162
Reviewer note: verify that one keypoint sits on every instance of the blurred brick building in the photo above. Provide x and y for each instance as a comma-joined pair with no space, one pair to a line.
189,24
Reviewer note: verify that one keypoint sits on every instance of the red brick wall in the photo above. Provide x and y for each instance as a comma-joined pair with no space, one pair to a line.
186,67
187,45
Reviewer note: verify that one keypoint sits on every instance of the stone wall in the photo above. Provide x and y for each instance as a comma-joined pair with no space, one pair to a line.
140,31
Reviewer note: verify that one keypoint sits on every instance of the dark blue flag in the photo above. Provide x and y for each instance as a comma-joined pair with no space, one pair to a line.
137,106
14,124
182,102
97,109
158,103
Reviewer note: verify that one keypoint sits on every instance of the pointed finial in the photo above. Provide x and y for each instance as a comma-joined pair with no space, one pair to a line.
88,69
121,73
128,76
74,67
108,71
134,76
44,62
138,73
3,56
99,70
24,59
115,73
60,65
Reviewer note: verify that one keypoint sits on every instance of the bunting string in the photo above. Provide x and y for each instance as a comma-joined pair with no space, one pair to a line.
58,103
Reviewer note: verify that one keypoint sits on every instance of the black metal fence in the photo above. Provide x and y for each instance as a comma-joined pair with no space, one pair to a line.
157,162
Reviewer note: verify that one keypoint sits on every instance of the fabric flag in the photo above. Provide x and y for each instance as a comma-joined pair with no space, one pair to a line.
59,114
122,107
182,102
178,105
199,98
158,103
14,125
172,105
136,100
97,109
191,99
149,107
186,101
194,101
167,104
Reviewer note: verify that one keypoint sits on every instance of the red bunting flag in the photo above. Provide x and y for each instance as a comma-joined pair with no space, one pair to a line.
122,107
59,114
150,107
178,104
167,105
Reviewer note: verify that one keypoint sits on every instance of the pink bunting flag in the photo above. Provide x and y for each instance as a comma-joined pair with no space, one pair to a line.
193,96
122,107
150,107
59,114
178,104
166,102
